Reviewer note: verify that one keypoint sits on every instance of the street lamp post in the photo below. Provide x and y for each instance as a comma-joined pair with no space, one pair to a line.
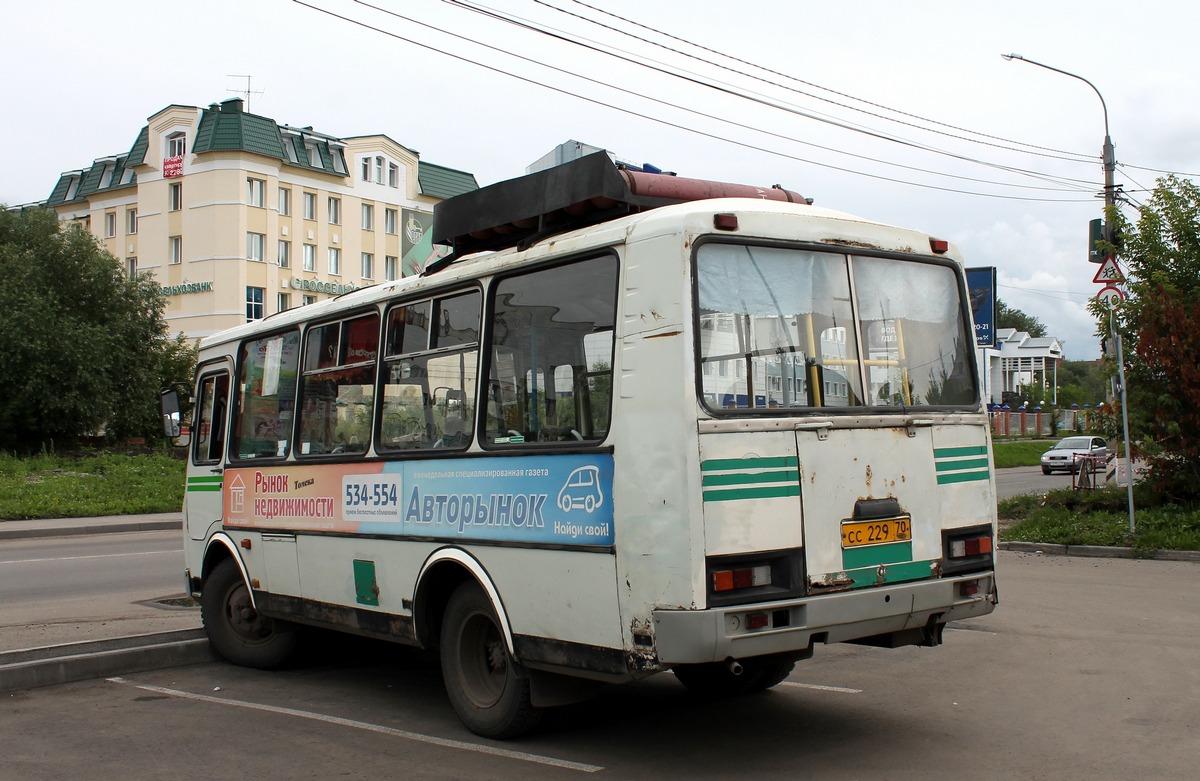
1109,155
1110,202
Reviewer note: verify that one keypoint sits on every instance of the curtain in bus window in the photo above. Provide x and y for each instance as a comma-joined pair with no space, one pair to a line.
916,340
776,328
266,394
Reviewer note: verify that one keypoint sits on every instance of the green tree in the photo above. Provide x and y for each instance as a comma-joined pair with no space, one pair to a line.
1081,382
1160,329
83,348
1008,317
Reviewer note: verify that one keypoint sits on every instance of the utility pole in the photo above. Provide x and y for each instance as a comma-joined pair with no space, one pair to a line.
1108,156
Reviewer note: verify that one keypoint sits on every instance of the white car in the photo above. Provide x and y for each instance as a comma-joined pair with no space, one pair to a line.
1065,456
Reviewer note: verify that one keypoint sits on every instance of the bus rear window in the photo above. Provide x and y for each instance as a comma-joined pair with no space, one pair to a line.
788,328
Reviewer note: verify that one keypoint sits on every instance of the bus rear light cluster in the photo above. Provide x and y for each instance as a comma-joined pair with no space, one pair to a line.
971,547
967,550
740,578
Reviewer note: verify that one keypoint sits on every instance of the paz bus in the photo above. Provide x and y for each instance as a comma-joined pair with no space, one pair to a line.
632,423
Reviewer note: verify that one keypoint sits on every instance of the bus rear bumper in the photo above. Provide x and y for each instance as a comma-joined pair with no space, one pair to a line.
794,625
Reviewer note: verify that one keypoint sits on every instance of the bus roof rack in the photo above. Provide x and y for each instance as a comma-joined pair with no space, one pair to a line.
520,212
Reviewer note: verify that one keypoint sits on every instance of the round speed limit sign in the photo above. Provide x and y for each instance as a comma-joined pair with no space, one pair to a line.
1110,295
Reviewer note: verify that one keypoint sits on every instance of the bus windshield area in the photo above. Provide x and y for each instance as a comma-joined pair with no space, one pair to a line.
786,328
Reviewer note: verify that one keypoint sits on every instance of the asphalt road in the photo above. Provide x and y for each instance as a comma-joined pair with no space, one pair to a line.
66,589
1028,480
1089,669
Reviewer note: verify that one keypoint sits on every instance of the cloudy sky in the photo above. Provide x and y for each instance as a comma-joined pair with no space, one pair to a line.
899,112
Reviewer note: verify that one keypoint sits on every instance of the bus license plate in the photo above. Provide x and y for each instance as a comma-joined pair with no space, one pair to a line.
855,533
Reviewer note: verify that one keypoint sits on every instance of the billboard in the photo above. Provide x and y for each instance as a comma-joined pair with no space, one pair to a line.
981,286
416,242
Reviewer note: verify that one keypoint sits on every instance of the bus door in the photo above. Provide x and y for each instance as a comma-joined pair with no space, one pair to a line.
870,503
203,502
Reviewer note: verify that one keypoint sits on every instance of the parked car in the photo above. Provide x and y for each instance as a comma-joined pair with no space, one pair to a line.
1065,456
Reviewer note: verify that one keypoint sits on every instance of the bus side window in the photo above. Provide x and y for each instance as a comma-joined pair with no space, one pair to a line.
266,396
209,433
338,392
551,354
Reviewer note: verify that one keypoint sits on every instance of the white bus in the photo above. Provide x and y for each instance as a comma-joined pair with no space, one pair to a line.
618,431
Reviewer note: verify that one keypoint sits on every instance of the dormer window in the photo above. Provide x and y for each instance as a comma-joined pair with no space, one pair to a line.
72,188
107,175
366,169
339,163
314,155
393,175
378,170
176,144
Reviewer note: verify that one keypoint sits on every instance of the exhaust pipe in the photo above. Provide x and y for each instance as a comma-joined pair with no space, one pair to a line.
735,667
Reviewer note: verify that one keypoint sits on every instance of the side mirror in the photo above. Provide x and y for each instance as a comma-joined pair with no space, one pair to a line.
169,403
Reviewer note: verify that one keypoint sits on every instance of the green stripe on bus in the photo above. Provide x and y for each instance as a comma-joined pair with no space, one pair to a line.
762,492
750,478
962,477
204,487
974,463
895,573
871,555
952,452
212,479
716,464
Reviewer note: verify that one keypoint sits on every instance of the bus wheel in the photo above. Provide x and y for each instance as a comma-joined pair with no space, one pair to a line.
718,680
235,628
480,675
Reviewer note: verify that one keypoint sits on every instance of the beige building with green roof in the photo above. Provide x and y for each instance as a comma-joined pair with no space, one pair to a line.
239,217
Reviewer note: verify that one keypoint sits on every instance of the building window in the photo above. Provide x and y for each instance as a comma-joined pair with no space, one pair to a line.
368,266
285,254
389,221
176,249
310,206
310,257
176,144
254,303
283,302
176,196
368,217
285,202
256,244
389,267
110,224
131,221
335,211
131,267
314,156
378,170
335,261
393,175
366,169
255,191
307,299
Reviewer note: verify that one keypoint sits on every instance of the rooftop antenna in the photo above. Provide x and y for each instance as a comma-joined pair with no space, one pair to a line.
247,92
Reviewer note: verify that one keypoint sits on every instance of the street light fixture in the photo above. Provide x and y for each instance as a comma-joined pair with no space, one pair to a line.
1110,202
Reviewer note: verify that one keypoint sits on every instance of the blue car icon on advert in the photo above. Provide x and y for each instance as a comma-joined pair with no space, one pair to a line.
582,490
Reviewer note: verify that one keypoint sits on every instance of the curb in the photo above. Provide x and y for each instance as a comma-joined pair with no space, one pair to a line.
87,529
48,666
1099,551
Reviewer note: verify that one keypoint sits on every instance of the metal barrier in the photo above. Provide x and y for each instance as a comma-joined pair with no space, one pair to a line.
1084,472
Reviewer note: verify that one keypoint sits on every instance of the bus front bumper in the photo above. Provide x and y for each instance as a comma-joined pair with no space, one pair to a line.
794,625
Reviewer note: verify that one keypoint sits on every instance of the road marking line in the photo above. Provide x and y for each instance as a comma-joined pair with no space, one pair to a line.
398,733
94,556
821,688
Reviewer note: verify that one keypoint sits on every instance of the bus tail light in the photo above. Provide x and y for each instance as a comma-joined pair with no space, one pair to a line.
743,577
967,549
754,577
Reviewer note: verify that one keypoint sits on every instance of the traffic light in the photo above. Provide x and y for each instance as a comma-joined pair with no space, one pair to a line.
1095,234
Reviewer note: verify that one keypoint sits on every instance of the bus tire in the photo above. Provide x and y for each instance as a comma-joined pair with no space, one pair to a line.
235,628
480,676
717,680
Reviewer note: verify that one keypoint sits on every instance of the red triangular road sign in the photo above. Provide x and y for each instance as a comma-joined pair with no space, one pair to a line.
1109,271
